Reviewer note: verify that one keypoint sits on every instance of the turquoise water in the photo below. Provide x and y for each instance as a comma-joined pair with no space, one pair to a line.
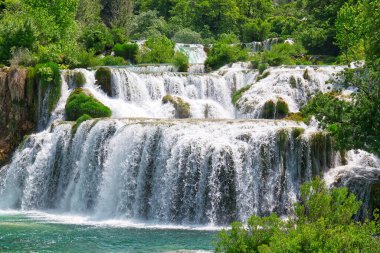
25,233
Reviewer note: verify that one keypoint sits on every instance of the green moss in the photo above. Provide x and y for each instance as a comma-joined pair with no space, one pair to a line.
79,121
265,75
182,108
282,109
79,79
306,75
293,82
262,67
268,110
295,117
238,94
296,132
81,102
49,78
103,79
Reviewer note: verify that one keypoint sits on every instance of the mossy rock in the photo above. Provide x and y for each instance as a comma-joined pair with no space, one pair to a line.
79,79
272,110
79,121
181,107
306,75
282,109
103,78
238,94
81,102
295,117
293,82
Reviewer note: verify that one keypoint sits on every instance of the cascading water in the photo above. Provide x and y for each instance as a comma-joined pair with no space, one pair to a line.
164,170
179,172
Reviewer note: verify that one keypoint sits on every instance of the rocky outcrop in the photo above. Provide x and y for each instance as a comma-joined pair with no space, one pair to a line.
16,109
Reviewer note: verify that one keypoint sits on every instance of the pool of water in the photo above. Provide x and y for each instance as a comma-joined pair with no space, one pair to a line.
30,232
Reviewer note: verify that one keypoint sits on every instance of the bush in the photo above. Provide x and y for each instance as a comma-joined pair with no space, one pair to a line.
323,222
128,51
181,61
225,51
272,110
256,30
81,102
238,94
159,49
282,54
96,38
112,61
187,36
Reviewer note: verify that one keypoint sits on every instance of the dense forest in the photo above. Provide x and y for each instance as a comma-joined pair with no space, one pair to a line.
73,32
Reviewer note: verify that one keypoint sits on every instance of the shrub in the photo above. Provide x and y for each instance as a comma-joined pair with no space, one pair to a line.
323,222
238,94
96,38
256,30
224,52
159,49
181,107
187,36
181,61
128,51
281,54
81,102
262,67
112,61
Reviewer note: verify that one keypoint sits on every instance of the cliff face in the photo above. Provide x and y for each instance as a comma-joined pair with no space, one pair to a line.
16,109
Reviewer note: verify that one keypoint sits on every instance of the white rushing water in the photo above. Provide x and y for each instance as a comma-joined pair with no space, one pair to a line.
216,167
179,172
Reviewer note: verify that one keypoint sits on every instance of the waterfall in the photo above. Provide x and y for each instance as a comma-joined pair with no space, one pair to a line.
195,52
181,172
222,164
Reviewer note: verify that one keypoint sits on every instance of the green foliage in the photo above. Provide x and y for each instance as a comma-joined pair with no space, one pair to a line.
187,36
80,102
181,61
128,51
49,78
256,30
282,54
225,51
348,31
158,49
112,61
323,222
238,94
96,38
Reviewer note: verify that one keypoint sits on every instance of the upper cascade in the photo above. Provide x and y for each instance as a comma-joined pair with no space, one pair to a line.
139,91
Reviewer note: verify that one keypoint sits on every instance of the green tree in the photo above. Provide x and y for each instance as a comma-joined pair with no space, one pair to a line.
348,31
323,222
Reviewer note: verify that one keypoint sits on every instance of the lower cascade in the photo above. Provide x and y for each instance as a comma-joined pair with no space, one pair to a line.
177,172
